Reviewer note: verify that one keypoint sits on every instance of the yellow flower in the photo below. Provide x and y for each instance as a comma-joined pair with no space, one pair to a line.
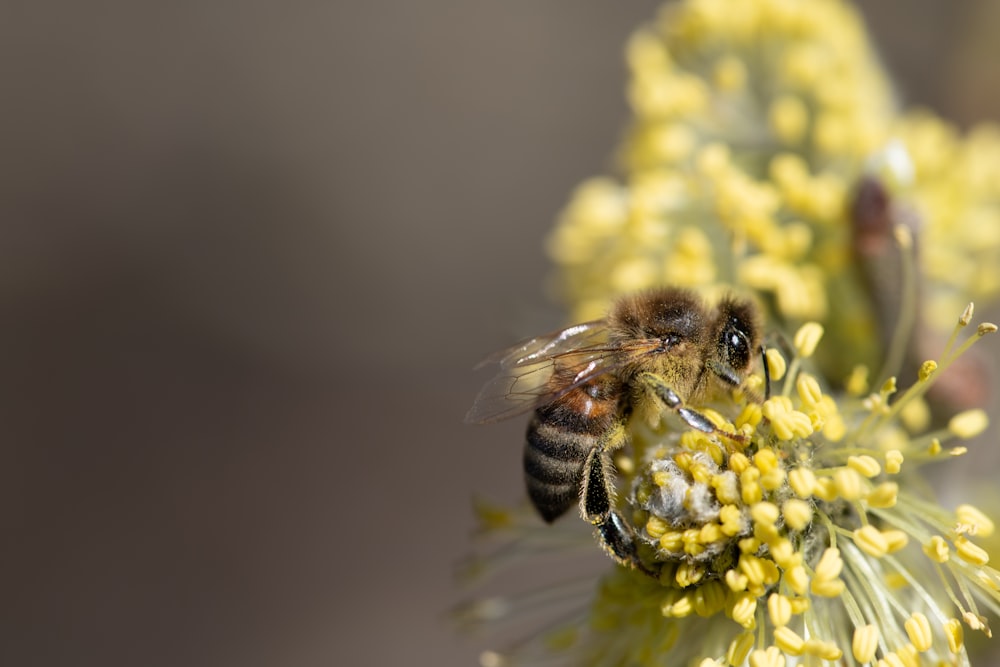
810,535
765,150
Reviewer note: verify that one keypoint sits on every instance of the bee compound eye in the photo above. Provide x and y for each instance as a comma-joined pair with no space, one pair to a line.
737,348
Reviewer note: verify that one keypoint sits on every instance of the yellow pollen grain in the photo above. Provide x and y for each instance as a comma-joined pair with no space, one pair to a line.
870,540
709,599
700,473
969,424
788,641
736,581
895,539
776,365
784,554
800,605
972,516
662,478
739,649
954,634
864,465
765,532
680,608
830,564
808,389
773,480
937,549
672,541
970,552
765,512
744,610
710,662
802,481
710,532
826,489
791,424
776,405
893,461
926,370
807,338
766,460
798,513
797,579
769,657
727,489
779,608
749,545
753,568
738,463
655,527
918,629
732,520
865,643
750,488
883,496
823,649
750,415
849,484
689,574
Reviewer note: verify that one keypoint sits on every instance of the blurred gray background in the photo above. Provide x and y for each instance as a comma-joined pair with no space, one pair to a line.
249,253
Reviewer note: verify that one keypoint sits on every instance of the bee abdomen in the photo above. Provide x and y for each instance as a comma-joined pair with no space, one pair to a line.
553,465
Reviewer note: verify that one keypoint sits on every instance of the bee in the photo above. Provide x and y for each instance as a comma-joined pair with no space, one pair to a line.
659,349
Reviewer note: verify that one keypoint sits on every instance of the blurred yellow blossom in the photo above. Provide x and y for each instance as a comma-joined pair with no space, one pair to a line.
754,125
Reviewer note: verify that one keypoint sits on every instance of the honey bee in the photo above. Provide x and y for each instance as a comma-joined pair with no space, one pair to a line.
663,348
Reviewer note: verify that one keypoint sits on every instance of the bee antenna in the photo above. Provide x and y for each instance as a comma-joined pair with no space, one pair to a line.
767,372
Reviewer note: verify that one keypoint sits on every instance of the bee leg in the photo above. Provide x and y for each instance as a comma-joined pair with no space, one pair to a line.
665,393
597,507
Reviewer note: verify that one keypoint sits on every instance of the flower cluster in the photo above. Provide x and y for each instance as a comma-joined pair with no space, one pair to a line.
755,126
767,153
802,531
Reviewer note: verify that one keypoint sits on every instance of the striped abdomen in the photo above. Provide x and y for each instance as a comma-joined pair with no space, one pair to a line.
560,436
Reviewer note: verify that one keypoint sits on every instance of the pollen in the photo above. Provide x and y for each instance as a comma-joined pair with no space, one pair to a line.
918,629
974,521
807,338
788,641
752,126
870,540
893,461
865,643
968,424
798,513
779,608
937,549
970,552
775,364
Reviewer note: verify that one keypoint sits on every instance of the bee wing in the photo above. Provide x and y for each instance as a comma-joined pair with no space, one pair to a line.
581,353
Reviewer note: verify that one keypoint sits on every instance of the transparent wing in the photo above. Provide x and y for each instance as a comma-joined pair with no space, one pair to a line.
540,370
